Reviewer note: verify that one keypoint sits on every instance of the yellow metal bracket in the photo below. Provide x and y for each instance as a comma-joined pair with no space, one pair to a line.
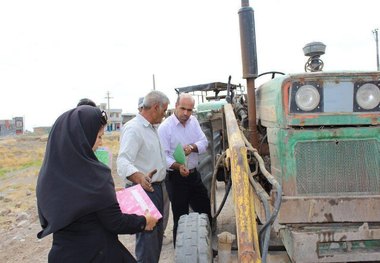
227,160
246,227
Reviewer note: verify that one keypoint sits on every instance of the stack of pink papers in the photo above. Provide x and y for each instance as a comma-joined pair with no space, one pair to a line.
134,200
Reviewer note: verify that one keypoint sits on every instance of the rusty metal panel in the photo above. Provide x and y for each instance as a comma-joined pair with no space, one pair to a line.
333,243
316,209
217,121
246,228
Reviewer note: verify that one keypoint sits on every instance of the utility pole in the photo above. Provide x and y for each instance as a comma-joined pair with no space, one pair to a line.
108,97
108,102
154,83
375,33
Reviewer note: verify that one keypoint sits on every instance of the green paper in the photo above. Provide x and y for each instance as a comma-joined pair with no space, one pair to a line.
179,154
103,156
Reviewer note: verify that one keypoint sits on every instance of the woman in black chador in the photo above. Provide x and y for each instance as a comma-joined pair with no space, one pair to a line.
76,195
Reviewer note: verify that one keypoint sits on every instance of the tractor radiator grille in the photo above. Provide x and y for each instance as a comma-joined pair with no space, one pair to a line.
338,167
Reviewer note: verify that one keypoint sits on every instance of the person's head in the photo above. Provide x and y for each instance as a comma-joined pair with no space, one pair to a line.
92,121
99,140
140,104
155,105
184,107
99,137
86,101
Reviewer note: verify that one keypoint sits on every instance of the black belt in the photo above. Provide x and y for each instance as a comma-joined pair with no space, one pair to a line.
176,171
153,183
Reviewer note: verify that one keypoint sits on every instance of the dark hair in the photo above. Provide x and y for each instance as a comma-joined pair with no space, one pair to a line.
86,101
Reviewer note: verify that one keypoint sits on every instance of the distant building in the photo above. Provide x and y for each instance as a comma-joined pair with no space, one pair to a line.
127,117
12,127
42,130
114,117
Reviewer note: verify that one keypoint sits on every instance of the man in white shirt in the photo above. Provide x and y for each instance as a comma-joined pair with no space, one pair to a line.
141,160
186,187
165,217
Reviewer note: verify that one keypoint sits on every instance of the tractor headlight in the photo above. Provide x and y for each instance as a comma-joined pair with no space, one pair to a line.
307,98
368,96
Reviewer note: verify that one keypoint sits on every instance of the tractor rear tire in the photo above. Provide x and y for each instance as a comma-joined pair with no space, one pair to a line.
207,159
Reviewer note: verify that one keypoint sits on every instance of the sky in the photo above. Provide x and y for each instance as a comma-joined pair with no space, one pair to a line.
53,53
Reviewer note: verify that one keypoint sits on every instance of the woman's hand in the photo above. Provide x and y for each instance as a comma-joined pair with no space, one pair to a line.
150,221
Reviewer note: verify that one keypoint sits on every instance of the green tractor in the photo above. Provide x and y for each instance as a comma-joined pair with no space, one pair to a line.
293,166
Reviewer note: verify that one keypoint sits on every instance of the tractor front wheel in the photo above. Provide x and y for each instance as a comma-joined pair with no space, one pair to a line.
193,242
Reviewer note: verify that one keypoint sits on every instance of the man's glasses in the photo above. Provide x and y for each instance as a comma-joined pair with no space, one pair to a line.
104,118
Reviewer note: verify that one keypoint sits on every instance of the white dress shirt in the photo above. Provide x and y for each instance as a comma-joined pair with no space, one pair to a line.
140,150
172,132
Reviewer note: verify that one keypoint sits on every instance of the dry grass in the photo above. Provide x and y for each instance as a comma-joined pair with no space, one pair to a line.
20,161
20,152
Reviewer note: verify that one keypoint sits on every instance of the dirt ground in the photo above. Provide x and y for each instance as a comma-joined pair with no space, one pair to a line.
19,223
20,161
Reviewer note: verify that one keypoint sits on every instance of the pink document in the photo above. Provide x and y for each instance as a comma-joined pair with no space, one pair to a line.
134,200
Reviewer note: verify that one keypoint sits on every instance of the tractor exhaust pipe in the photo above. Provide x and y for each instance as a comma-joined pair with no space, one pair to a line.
249,61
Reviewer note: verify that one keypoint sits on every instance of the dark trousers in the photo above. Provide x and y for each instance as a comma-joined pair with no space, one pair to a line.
185,192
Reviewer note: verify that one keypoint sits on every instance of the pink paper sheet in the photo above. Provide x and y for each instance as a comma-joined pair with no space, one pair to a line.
134,200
